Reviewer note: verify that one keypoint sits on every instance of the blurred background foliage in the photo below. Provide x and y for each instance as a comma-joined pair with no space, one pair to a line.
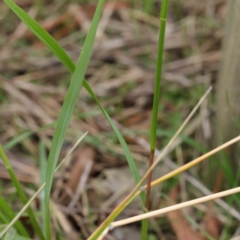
121,72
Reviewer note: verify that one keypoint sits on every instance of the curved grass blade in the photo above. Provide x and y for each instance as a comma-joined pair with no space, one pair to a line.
41,33
21,193
59,52
46,38
16,140
26,206
67,109
15,219
130,196
130,160
7,211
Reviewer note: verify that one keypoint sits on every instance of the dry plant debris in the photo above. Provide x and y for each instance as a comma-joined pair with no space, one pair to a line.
121,73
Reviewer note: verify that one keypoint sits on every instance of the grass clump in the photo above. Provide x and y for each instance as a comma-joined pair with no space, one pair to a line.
48,164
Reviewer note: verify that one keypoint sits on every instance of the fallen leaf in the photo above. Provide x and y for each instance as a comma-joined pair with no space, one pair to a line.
179,224
86,155
211,226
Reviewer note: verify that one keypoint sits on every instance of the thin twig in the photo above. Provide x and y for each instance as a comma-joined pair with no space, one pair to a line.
193,181
165,150
193,163
71,150
128,199
38,191
21,212
173,208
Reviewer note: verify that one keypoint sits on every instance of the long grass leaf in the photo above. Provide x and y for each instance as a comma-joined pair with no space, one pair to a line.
58,51
156,96
26,206
43,35
15,219
20,192
131,196
7,211
163,16
43,167
128,155
67,109
15,140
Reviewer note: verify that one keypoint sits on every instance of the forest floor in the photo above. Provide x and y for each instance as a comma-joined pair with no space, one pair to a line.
121,73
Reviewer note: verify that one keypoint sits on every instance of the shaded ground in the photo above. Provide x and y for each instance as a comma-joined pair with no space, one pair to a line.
121,73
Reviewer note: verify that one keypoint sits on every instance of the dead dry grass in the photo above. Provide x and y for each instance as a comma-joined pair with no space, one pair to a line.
121,73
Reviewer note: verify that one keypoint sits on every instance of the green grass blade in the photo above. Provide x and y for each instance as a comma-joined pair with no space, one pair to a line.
7,211
26,206
11,234
153,131
58,51
3,219
67,109
128,155
14,141
144,229
130,160
43,167
43,35
163,16
21,193
64,58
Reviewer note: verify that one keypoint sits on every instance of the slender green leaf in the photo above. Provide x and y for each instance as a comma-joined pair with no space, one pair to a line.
64,58
157,84
43,167
11,234
158,74
67,109
131,162
26,206
58,51
43,35
20,192
3,218
7,211
14,141
144,228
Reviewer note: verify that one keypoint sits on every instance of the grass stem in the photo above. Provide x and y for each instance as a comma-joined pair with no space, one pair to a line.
156,96
148,195
188,165
21,193
130,196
